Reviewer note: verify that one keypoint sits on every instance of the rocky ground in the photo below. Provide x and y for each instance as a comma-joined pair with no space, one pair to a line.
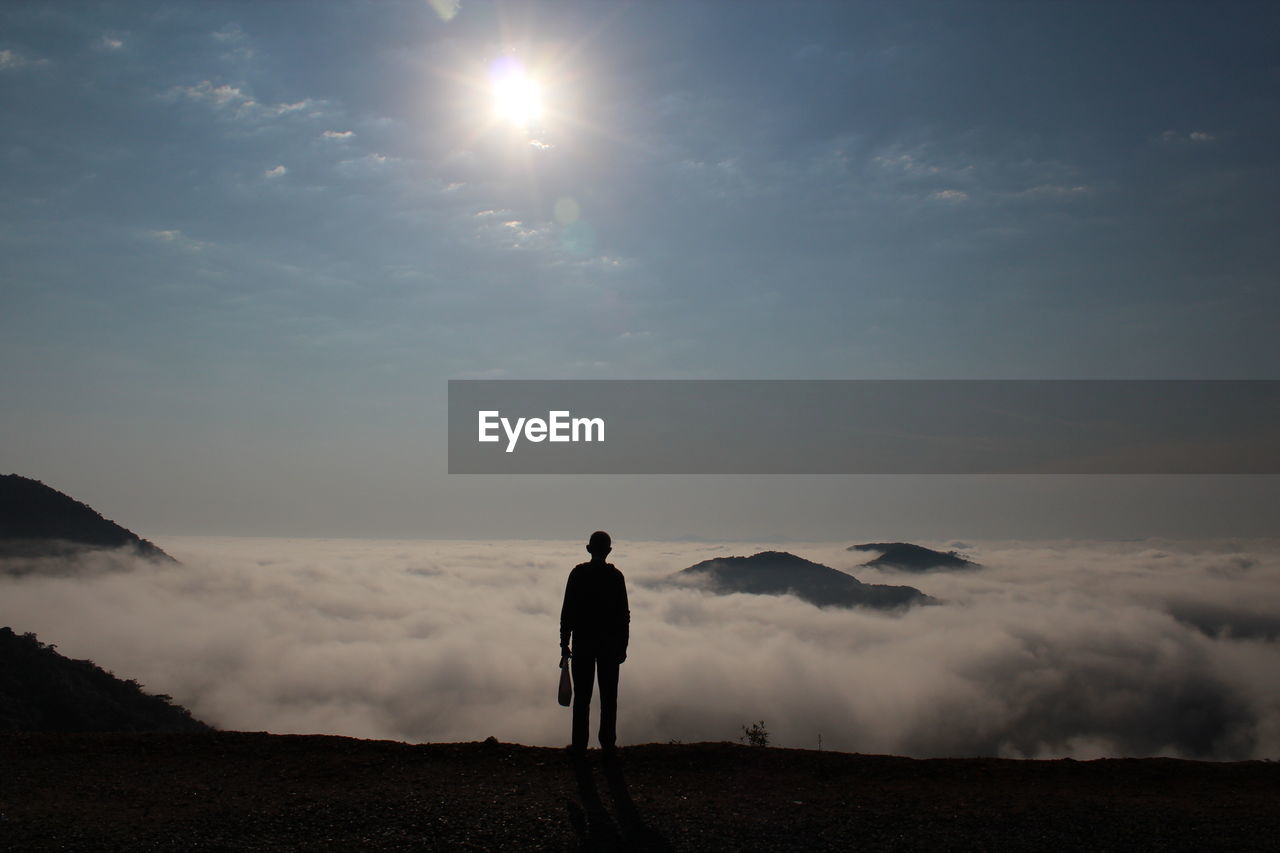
254,791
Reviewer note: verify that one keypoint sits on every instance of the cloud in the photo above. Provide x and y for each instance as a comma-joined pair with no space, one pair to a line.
517,234
219,96
950,195
918,164
10,59
229,33
370,165
1194,137
275,172
339,135
1057,191
1051,650
176,238
497,229
906,163
233,99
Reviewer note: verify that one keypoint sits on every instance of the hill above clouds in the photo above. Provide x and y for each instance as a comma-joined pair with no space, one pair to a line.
781,573
42,691
913,558
39,521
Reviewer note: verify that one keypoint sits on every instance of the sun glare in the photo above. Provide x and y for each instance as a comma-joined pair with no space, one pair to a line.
517,98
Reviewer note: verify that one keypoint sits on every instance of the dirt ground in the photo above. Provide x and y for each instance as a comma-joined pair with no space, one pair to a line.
256,791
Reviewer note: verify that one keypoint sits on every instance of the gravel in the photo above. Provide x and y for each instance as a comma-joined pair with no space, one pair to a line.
258,791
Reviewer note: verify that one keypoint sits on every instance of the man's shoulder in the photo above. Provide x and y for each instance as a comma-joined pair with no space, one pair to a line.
588,566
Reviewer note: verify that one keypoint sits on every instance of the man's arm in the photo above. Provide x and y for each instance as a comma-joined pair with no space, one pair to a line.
626,618
568,612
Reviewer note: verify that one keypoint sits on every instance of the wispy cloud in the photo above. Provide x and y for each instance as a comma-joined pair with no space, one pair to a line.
1196,137
1058,191
176,238
235,100
908,163
232,38
370,164
220,95
12,59
231,32
919,163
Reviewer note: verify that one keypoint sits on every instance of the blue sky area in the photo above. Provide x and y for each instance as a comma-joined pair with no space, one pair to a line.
246,244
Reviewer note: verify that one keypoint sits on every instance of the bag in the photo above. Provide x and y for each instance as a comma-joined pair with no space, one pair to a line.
566,685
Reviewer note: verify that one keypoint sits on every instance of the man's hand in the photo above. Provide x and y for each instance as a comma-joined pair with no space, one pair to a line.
565,653
622,658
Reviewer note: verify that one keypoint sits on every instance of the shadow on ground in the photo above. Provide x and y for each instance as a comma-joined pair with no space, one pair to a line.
595,827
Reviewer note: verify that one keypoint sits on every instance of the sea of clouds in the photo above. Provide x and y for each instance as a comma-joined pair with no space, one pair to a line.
1080,649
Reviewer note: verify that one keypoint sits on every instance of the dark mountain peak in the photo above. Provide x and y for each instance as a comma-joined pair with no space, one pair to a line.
766,561
39,521
42,691
912,558
782,573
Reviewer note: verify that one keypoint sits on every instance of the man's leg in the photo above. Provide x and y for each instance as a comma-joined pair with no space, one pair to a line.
608,701
583,665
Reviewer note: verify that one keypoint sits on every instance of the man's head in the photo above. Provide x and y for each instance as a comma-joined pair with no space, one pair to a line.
599,545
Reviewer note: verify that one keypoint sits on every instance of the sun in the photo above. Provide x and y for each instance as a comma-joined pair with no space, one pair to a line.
517,97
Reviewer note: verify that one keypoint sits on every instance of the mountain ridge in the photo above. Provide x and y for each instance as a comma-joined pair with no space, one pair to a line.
37,520
783,573
41,691
913,558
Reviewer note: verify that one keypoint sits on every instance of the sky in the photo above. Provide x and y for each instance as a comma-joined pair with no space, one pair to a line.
1052,649
243,246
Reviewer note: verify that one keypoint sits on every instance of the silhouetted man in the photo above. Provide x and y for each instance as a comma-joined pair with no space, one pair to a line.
597,618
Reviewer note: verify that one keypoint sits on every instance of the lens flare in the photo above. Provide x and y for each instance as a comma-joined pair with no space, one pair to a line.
566,210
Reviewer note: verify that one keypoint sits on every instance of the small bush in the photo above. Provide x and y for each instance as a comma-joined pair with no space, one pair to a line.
756,735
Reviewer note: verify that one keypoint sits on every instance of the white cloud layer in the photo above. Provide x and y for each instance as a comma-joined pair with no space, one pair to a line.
1053,649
